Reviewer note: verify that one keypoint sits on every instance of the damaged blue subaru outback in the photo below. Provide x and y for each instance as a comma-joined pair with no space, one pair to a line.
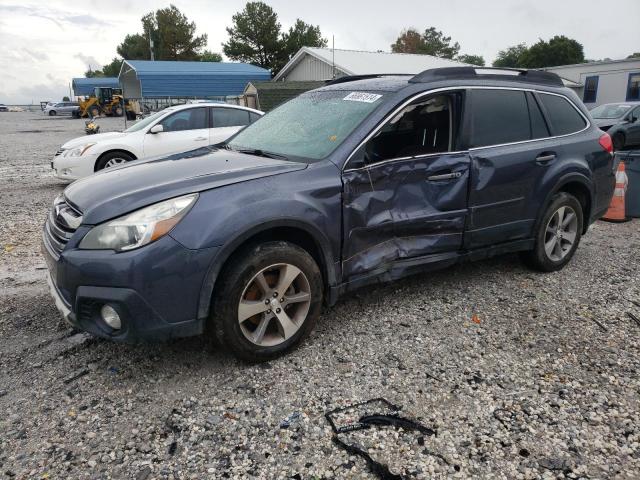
364,180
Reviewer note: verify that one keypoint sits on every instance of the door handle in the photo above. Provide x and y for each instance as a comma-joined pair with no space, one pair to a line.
199,139
545,158
444,176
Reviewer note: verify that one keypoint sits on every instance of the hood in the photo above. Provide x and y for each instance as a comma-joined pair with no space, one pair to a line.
77,142
117,191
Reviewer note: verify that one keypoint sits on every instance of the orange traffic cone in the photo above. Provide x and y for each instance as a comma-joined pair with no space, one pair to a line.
617,210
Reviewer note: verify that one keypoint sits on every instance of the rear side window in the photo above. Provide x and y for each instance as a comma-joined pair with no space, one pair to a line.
564,118
539,127
229,117
499,116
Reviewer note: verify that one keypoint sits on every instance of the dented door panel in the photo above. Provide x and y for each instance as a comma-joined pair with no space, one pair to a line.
395,211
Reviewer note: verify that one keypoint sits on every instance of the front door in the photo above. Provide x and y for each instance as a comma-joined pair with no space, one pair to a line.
633,129
405,189
182,131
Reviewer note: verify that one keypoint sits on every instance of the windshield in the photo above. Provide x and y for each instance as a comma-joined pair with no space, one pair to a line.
310,126
610,111
139,125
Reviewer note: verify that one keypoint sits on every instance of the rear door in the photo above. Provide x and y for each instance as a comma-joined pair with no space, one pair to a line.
405,189
506,166
633,129
183,130
225,121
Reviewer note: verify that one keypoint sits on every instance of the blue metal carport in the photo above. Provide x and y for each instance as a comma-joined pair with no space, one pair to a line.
164,79
84,86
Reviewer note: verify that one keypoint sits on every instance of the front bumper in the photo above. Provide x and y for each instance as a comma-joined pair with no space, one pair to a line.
155,289
73,168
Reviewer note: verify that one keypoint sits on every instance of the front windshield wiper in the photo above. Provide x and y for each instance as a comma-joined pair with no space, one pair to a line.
258,152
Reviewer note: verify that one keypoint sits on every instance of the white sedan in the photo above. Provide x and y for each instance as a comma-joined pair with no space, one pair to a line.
173,130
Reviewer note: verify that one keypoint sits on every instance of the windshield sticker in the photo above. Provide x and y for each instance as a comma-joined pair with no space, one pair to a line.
362,97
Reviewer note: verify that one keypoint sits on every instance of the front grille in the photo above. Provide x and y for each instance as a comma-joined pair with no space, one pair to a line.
62,222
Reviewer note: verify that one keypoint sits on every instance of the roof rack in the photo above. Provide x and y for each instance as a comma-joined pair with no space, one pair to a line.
353,78
476,73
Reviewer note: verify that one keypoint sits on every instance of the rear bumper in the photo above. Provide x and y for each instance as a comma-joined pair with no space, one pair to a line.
154,289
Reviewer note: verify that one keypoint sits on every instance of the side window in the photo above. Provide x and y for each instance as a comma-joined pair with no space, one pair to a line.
191,119
229,117
633,87
499,116
564,118
421,128
590,89
253,116
539,128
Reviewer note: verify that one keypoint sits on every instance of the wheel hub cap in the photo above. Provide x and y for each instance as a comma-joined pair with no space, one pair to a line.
560,234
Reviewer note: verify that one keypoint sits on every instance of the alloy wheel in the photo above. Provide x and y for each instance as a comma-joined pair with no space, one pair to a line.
560,234
114,161
274,305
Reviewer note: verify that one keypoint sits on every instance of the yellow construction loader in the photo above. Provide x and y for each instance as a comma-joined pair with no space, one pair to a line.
104,101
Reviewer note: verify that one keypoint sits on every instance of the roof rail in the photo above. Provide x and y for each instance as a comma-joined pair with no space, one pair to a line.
353,78
466,73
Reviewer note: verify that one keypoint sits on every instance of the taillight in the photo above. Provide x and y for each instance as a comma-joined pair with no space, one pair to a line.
606,143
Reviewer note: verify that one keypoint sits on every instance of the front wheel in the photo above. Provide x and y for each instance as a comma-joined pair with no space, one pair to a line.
267,302
558,234
112,159
52,113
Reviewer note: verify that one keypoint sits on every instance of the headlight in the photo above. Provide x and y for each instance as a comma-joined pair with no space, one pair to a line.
78,151
140,227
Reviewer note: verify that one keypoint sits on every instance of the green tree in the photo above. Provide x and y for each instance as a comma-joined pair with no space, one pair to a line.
65,99
93,73
431,42
302,35
634,55
559,50
255,36
112,69
209,56
174,38
477,60
134,47
510,57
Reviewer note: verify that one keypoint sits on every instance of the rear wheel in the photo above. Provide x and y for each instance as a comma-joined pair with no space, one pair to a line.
94,112
112,159
618,140
558,234
268,301
117,111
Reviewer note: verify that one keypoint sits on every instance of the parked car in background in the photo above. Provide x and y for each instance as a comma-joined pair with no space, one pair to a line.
621,121
60,108
3,108
172,130
362,181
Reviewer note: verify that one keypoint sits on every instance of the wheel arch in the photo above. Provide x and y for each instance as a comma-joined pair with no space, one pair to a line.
580,187
113,150
299,233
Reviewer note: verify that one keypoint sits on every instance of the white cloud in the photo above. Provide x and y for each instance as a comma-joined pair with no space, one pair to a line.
46,44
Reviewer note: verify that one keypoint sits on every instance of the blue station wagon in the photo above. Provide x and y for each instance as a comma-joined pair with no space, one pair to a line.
364,180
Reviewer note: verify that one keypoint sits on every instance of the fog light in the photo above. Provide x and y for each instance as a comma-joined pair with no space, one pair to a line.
66,171
111,317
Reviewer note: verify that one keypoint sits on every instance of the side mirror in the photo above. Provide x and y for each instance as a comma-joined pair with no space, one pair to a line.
157,128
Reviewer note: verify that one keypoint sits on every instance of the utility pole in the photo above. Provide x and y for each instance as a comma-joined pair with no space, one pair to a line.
151,48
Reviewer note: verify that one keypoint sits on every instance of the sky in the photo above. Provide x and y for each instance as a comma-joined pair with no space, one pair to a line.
44,44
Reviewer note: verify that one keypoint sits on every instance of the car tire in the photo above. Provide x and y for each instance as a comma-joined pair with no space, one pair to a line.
52,113
249,285
554,247
94,112
618,140
112,159
117,111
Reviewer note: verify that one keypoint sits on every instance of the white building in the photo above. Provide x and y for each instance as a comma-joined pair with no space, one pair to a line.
326,63
604,82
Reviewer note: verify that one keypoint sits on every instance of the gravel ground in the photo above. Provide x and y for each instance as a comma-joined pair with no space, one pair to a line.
520,374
